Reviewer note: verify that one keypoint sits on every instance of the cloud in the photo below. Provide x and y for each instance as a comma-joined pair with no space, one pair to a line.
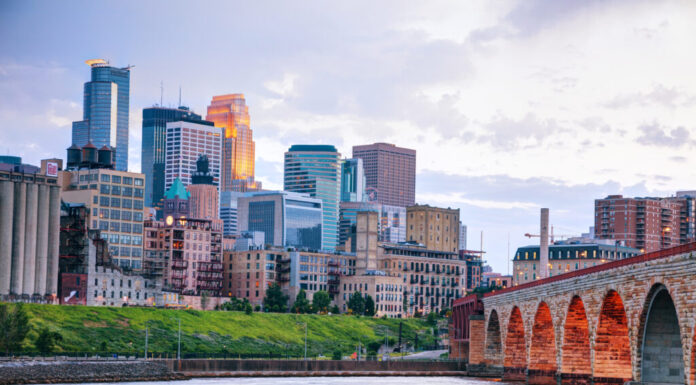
509,134
655,135
670,97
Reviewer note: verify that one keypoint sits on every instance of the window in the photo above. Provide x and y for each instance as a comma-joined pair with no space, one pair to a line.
138,181
115,202
126,215
138,217
104,177
125,227
115,214
115,190
137,228
115,226
104,201
127,203
127,191
138,193
116,179
138,204
127,180
95,199
104,189
103,225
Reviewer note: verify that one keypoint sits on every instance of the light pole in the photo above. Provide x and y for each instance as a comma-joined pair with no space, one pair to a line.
146,337
305,339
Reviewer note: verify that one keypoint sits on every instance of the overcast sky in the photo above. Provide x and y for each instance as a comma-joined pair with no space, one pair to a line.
511,105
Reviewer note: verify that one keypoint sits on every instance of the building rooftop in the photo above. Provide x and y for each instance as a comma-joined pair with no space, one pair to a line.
177,189
312,148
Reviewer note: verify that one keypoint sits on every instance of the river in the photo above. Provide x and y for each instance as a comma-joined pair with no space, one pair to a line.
319,381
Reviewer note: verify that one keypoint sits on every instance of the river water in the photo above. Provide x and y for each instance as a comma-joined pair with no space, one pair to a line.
320,381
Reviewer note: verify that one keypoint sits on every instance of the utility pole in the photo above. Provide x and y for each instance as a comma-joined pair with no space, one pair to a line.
305,341
178,351
401,324
146,335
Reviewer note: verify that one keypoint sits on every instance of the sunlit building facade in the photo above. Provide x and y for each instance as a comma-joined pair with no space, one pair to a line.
105,111
231,113
316,170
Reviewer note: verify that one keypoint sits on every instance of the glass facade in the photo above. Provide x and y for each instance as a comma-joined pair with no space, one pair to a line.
154,134
303,222
315,170
262,218
352,181
105,111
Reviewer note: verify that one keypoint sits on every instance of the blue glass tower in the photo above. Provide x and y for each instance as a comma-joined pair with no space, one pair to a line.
316,170
105,111
154,149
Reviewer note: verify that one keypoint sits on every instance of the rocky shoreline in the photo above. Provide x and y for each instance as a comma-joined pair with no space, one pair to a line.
54,372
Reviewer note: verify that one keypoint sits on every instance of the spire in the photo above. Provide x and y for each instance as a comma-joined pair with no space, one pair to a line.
177,190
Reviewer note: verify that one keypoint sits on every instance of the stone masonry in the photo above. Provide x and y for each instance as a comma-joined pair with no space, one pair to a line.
628,320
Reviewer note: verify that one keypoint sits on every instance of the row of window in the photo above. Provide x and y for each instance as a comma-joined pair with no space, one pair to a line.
117,214
123,227
121,180
125,239
117,190
125,203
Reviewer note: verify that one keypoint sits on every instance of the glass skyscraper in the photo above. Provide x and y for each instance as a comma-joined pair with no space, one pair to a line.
352,180
105,111
154,150
316,170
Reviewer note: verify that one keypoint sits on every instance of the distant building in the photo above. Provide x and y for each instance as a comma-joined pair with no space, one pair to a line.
105,111
497,280
14,164
154,147
29,235
565,257
352,181
390,173
392,224
185,142
648,224
315,170
462,236
203,202
348,218
176,202
229,212
285,218
436,228
231,114
473,270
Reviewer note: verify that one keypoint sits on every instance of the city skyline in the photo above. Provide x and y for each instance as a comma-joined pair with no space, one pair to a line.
558,129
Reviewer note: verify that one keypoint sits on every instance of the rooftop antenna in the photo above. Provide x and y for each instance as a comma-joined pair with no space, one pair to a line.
179,96
508,255
161,93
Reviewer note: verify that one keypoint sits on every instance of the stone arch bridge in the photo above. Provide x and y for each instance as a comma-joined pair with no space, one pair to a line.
627,320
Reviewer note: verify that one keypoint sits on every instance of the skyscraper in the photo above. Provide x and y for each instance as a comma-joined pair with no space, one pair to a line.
316,170
105,111
231,113
352,180
185,142
390,173
154,149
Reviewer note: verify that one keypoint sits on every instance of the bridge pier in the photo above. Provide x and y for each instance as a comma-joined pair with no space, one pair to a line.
514,374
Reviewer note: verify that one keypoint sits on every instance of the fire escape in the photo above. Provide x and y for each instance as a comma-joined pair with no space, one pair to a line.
334,278
209,278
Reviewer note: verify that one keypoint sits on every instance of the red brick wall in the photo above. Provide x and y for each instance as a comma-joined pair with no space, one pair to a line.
477,333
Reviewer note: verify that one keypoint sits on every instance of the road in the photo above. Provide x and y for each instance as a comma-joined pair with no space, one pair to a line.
427,355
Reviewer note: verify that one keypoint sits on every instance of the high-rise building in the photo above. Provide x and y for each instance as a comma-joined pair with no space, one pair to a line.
315,170
348,219
352,181
648,224
113,198
462,236
285,218
392,224
436,228
228,212
105,111
185,142
231,113
390,173
204,194
154,150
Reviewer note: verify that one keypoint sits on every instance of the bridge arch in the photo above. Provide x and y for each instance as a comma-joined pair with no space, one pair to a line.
542,354
515,357
493,353
659,339
576,364
612,347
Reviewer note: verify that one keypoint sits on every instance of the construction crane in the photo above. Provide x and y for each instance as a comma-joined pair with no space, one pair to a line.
528,235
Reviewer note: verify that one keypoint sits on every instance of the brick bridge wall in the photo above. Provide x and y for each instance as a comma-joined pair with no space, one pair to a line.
589,325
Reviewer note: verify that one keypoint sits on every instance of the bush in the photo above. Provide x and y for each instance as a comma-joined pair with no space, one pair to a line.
47,340
337,355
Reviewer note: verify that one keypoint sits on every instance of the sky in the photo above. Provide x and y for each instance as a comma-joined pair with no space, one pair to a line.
511,105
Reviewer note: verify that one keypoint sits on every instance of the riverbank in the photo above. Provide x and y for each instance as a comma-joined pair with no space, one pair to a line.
53,372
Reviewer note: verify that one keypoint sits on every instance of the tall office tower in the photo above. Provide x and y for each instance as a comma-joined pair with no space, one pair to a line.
436,228
352,181
185,142
105,111
228,211
231,113
462,236
285,218
648,224
204,194
154,149
390,173
316,170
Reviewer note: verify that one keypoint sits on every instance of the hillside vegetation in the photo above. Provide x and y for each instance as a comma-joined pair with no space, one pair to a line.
97,329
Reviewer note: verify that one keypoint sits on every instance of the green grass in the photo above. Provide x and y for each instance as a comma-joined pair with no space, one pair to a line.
204,332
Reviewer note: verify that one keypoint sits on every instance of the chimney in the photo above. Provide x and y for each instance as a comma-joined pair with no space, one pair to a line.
544,244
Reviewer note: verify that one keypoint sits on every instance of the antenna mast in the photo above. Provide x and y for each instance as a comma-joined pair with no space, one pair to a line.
161,92
179,97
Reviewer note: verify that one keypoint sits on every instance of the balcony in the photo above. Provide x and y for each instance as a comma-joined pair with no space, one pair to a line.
334,264
179,264
333,290
178,274
333,281
210,267
209,285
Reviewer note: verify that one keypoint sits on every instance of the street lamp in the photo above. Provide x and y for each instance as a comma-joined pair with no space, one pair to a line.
305,339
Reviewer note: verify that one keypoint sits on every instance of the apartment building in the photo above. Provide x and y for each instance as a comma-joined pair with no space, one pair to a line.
436,228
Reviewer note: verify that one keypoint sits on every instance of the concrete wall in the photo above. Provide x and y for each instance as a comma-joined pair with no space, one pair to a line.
601,334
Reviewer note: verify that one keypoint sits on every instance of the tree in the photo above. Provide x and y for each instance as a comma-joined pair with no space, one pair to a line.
356,303
369,306
47,340
321,301
14,326
432,318
337,355
301,304
373,347
248,309
275,300
335,309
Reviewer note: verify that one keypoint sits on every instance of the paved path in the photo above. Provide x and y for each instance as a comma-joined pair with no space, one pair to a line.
427,355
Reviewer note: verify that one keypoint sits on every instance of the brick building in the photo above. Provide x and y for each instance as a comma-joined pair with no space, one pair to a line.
648,224
436,228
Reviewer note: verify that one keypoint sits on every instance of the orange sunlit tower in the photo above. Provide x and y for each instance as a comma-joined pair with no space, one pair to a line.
232,114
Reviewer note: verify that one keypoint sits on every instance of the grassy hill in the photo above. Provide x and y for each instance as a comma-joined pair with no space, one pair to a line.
91,329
